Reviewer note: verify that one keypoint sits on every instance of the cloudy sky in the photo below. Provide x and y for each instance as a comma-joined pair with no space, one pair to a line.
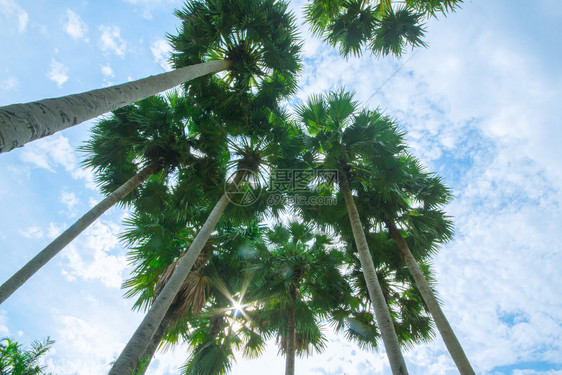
482,107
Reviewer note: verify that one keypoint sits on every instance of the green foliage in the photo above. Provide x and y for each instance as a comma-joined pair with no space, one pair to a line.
16,360
154,130
234,122
298,267
257,37
388,185
383,26
395,31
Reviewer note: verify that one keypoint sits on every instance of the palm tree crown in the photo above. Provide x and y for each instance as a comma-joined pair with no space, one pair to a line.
381,25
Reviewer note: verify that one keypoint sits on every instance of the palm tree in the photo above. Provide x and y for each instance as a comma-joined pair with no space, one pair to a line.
189,301
18,361
260,122
225,324
157,238
299,284
253,155
204,297
384,27
252,40
403,195
134,143
412,321
342,139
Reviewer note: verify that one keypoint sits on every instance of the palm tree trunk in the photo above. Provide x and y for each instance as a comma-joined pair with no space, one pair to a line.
291,334
131,354
154,342
449,337
382,313
39,260
22,123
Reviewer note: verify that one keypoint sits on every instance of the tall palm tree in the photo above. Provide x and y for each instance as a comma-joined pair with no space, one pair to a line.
255,151
411,319
225,324
157,238
126,148
384,26
404,197
342,137
300,284
251,40
204,297
189,301
252,156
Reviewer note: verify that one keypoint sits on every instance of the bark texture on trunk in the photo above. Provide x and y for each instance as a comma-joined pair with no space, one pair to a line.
154,342
382,313
291,335
451,342
174,313
131,354
22,123
39,260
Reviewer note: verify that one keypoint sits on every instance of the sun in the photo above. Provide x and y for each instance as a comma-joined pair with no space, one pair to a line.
237,308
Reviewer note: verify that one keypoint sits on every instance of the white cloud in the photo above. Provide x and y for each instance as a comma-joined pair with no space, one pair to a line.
55,151
58,72
161,53
12,12
107,71
111,41
75,26
23,19
55,230
93,201
70,200
9,84
78,335
32,232
4,331
92,256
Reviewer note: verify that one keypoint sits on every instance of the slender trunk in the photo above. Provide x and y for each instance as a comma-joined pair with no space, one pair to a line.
154,342
22,123
382,313
291,334
131,354
170,317
39,260
449,337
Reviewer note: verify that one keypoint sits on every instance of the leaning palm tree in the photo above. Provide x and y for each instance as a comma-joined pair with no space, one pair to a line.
408,202
250,40
205,297
225,324
342,137
383,26
138,141
190,299
300,284
157,237
253,155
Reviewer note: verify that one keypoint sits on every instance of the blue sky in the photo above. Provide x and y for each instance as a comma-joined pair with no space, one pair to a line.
481,107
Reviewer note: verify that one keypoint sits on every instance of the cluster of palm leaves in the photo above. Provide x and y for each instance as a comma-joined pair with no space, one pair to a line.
17,360
220,265
382,26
